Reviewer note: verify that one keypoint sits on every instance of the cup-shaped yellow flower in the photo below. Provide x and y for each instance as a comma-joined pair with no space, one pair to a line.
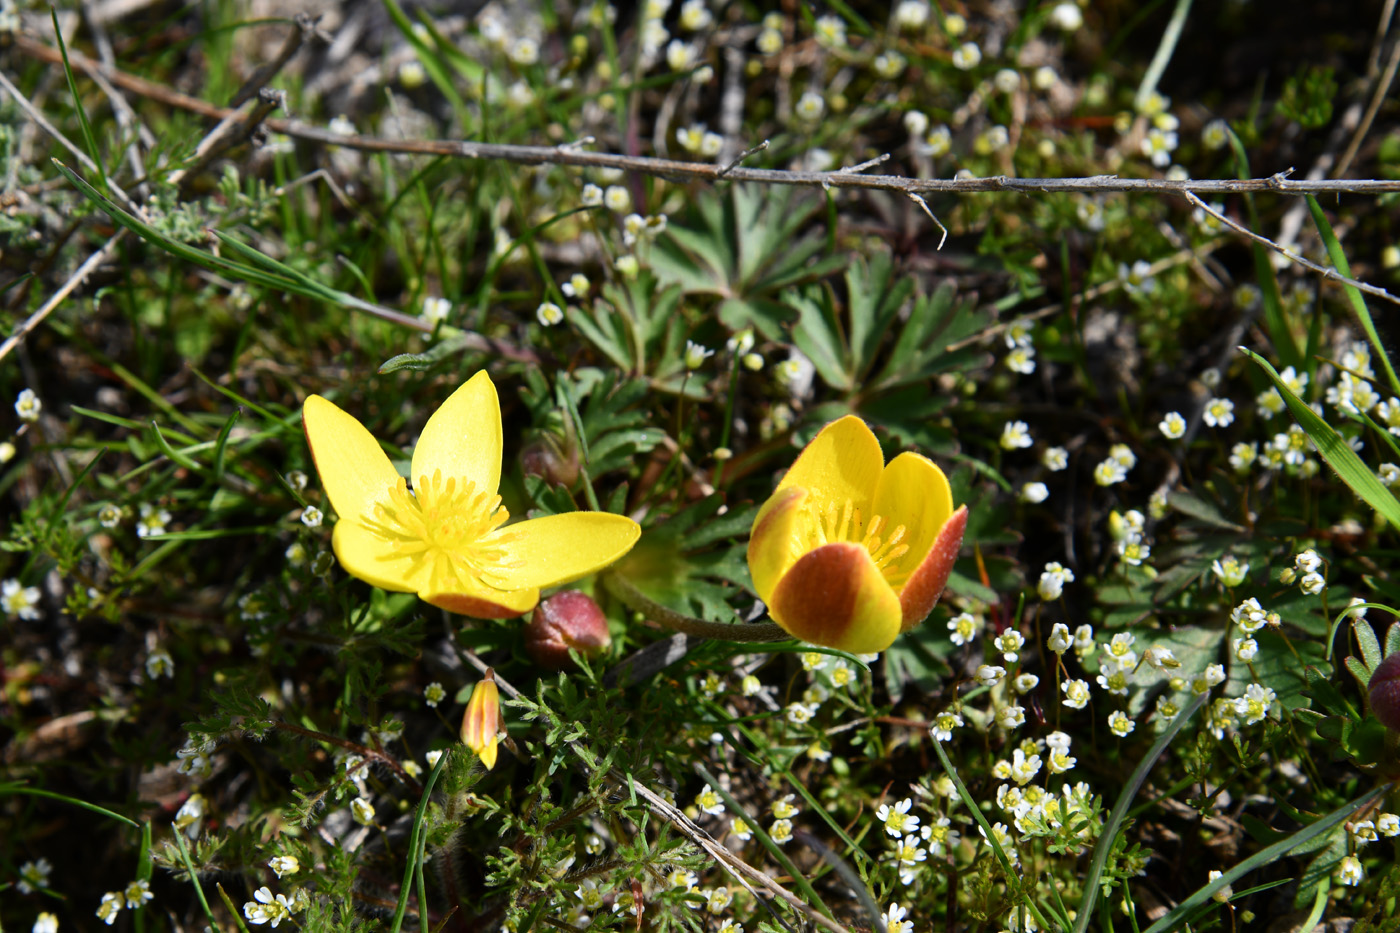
447,540
850,551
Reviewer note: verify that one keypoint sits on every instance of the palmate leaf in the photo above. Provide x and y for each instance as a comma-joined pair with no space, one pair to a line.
745,246
691,562
1334,449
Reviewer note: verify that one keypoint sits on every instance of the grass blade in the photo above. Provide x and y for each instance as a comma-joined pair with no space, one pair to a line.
1120,812
1334,449
1266,856
1358,304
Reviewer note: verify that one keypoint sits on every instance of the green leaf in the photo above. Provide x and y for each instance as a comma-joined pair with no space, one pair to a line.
1358,304
1334,449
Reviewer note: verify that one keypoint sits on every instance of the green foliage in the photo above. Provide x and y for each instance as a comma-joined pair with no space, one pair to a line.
193,687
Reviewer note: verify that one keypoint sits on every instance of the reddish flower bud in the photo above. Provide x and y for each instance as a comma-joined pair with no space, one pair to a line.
1385,692
569,619
553,459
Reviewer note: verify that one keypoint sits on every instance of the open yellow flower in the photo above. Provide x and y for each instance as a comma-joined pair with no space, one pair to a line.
445,540
848,551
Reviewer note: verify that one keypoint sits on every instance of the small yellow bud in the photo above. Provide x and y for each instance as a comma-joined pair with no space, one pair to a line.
483,720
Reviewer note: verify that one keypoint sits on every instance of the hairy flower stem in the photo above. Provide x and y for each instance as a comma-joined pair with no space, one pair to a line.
625,590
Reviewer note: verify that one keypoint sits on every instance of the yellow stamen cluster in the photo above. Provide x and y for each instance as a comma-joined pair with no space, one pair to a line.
843,523
454,526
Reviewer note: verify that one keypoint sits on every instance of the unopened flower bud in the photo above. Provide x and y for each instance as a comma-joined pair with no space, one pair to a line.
570,619
1385,692
483,720
553,460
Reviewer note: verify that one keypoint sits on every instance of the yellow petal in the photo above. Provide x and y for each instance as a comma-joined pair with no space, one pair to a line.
355,472
482,720
920,592
841,464
772,542
366,555
463,437
835,596
559,548
480,601
913,492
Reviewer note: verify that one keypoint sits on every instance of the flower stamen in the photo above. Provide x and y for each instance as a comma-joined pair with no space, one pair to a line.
445,523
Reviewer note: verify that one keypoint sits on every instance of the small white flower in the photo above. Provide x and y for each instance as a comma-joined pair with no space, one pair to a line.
1067,17
897,819
1219,413
967,56
109,908
1215,134
311,517
1076,693
830,31
45,923
911,14
591,195
284,865
943,725
1109,472
159,664
696,355
1055,459
137,894
20,600
1312,583
799,713
1035,493
1120,723
964,627
34,876
28,406
1173,425
1021,360
152,521
1015,435
1009,643
1230,571
433,694
1349,871
1009,717
435,310
363,811
525,51
617,200
1059,641
1137,279
781,831
549,314
810,107
709,801
989,675
895,922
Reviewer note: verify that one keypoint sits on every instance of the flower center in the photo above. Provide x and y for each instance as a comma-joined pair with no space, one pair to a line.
843,522
447,525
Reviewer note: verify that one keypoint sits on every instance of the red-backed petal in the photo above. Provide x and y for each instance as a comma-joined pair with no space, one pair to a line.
835,596
772,542
925,585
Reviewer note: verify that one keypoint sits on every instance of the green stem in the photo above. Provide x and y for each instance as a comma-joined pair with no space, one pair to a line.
625,590
1165,48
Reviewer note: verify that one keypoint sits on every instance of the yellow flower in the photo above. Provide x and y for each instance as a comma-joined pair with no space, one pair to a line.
445,540
848,551
482,720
